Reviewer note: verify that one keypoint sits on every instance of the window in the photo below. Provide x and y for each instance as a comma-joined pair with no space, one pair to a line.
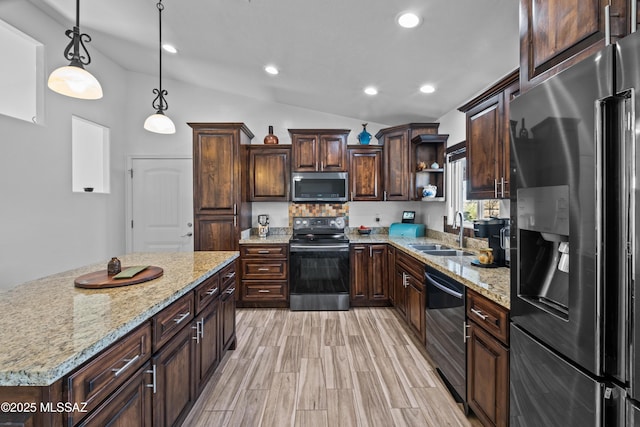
21,76
89,156
457,192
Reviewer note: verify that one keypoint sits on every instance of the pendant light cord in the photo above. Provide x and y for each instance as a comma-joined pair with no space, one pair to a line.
160,8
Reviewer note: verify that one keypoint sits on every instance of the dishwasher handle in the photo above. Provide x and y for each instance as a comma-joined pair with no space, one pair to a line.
444,288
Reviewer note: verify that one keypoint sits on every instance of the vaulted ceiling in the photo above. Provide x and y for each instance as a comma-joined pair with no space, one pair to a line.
327,51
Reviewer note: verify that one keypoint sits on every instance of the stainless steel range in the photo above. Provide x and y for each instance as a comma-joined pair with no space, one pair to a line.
319,270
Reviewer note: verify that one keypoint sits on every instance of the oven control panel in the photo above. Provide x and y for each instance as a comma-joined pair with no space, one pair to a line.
319,223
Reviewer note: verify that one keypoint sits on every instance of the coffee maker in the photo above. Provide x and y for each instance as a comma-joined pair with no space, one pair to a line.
263,225
494,230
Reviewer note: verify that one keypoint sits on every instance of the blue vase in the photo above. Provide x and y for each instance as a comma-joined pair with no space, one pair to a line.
364,137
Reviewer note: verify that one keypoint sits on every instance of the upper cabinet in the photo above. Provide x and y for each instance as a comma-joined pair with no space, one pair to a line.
488,173
365,173
269,173
398,182
319,150
427,160
558,33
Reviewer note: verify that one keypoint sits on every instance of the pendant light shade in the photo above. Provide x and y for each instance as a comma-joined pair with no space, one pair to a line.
158,122
73,80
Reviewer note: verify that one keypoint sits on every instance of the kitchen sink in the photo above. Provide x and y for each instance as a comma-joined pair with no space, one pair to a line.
429,247
447,252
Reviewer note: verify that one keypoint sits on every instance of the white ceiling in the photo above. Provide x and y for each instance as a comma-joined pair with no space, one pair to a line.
327,50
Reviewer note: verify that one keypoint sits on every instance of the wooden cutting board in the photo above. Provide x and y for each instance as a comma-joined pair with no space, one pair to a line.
100,279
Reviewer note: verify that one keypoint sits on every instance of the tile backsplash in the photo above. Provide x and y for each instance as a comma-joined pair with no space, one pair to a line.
318,209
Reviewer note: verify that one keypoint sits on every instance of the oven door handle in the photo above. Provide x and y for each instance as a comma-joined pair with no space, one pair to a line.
442,287
310,248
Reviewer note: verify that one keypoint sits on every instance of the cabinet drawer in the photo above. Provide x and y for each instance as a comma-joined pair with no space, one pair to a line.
97,379
261,291
228,277
258,269
263,251
169,321
412,266
488,315
207,291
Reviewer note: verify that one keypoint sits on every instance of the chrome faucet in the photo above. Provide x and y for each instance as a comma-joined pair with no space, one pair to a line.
460,218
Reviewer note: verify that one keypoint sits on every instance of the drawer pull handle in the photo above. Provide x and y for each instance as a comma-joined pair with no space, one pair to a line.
263,291
212,291
263,251
126,366
263,269
230,275
479,314
181,317
230,291
153,376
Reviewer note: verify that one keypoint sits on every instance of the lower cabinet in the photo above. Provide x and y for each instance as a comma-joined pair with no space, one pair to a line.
369,276
208,344
487,360
175,385
130,405
265,275
409,293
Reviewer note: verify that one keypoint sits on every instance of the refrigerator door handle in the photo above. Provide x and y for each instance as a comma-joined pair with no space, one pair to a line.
607,25
634,16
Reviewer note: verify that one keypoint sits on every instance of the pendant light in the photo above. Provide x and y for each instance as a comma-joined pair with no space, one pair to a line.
158,122
73,80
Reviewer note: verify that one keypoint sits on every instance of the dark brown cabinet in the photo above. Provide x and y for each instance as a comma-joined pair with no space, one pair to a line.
269,173
488,136
220,194
556,34
207,351
130,405
397,173
369,275
409,293
175,388
487,360
265,275
365,173
319,150
228,278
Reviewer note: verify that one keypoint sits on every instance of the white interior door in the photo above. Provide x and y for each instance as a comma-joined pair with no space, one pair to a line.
162,205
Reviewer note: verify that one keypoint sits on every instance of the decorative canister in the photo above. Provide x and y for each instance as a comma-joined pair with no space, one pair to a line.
364,137
271,138
113,267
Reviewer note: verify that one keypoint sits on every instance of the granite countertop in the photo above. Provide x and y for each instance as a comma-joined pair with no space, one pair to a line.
48,327
493,283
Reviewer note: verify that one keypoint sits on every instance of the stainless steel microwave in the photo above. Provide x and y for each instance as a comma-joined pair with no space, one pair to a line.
319,187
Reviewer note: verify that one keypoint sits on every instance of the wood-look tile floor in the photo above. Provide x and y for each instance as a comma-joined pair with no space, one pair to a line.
330,368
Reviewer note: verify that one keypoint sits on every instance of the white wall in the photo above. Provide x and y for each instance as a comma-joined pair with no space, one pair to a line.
44,227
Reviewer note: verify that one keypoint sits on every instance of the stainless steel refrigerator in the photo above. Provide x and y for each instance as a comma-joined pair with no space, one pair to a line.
575,324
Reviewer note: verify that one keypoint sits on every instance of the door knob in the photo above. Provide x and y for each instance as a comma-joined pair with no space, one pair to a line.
189,234
189,224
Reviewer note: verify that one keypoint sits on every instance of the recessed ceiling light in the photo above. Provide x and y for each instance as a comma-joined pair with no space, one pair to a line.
408,20
271,69
371,90
427,89
169,48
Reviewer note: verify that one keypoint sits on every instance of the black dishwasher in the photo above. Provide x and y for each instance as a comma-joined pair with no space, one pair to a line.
445,330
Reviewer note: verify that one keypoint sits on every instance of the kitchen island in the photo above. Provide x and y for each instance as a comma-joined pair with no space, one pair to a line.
49,328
